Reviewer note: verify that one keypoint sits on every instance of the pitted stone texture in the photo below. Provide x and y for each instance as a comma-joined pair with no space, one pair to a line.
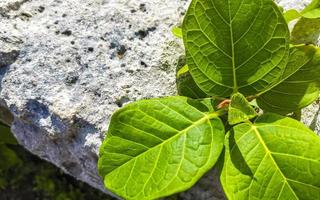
79,61
293,4
311,116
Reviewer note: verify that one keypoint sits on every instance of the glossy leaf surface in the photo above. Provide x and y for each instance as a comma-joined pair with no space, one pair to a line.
238,45
274,158
301,85
157,147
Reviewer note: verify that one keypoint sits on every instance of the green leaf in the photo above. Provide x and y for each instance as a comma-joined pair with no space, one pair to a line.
8,158
177,32
238,45
291,14
188,88
313,14
281,9
274,158
186,85
6,136
240,110
312,11
315,4
182,70
306,31
3,183
158,147
294,14
301,85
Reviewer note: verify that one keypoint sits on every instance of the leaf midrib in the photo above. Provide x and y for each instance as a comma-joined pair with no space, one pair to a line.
206,117
235,84
269,153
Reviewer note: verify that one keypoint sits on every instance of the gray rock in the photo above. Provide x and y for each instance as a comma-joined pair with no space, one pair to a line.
78,62
7,58
311,116
293,4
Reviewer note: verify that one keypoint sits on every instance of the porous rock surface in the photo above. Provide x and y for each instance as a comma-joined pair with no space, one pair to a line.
67,65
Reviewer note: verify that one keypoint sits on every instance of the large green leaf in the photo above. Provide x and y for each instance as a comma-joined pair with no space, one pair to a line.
240,110
235,45
301,85
157,147
274,158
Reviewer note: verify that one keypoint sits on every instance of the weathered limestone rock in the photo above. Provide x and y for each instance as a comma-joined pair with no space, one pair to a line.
67,65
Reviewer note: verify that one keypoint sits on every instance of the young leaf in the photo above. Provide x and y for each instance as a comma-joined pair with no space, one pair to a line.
240,110
157,147
274,158
291,14
182,70
177,32
235,45
301,85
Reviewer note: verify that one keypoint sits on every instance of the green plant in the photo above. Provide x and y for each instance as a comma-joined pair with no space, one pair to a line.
8,158
240,63
25,176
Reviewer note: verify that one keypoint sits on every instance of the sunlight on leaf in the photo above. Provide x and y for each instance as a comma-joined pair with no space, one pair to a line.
274,158
291,15
177,32
157,147
301,85
230,48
